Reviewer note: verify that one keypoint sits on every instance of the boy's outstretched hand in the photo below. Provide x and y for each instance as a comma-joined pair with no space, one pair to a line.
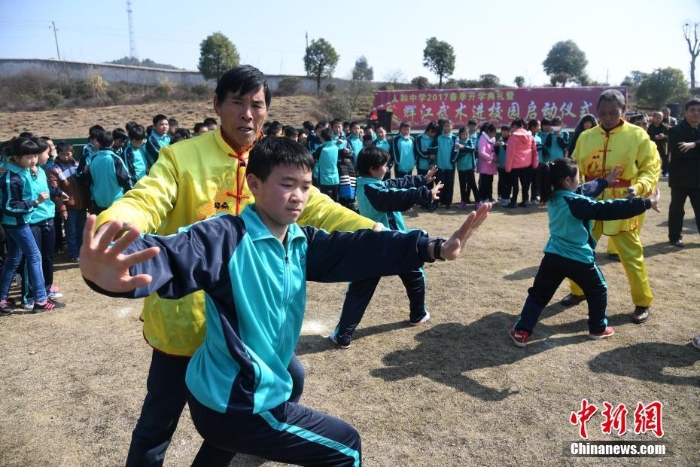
435,191
454,245
103,262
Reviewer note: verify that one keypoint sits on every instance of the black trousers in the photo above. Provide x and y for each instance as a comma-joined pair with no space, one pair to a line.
467,185
676,210
447,177
289,433
520,177
163,405
553,270
360,293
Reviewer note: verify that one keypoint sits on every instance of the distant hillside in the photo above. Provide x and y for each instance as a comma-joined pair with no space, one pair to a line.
145,62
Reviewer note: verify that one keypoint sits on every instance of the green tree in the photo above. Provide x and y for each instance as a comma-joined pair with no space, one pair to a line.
691,31
320,61
566,62
662,86
362,70
439,57
519,81
489,81
420,82
217,55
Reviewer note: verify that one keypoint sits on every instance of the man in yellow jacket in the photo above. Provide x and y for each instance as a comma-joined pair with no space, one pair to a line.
192,181
598,150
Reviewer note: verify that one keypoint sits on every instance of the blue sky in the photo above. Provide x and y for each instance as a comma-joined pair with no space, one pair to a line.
503,37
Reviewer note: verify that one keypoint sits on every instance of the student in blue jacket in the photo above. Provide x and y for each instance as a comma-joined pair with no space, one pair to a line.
108,176
382,201
570,251
253,269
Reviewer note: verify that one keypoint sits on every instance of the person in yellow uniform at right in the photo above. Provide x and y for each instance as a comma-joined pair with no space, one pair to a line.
598,150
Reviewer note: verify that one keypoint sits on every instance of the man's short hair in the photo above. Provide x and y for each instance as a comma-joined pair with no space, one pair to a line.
159,118
612,95
273,152
242,80
369,158
691,102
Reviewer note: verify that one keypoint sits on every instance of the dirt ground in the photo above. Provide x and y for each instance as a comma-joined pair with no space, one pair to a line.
454,392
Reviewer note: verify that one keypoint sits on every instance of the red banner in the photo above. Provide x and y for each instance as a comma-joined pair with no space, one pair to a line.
497,105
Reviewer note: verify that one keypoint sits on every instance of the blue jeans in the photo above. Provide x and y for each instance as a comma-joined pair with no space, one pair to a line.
20,241
74,226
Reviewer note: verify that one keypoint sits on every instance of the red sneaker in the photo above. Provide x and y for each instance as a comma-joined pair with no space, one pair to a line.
607,332
48,305
519,337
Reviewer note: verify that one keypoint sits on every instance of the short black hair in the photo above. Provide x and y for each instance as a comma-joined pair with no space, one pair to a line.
198,126
173,122
94,130
105,139
326,134
137,132
119,133
242,80
22,146
273,152
369,158
545,121
63,146
694,101
290,131
210,121
159,118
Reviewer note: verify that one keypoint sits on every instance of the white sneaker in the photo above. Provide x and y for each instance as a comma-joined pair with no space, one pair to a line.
422,321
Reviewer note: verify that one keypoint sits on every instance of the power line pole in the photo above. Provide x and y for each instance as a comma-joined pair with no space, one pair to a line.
132,42
307,39
55,36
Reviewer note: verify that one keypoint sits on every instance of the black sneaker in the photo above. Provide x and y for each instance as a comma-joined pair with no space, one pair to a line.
677,243
339,344
48,305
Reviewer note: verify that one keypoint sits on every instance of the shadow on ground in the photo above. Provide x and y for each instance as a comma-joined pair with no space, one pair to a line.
648,361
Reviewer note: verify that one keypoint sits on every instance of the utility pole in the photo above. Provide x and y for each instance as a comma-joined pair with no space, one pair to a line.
132,42
307,39
55,36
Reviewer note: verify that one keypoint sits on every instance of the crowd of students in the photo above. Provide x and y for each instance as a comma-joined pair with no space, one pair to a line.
47,195
353,167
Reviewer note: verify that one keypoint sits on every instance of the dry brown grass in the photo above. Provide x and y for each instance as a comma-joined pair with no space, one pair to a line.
74,123
454,392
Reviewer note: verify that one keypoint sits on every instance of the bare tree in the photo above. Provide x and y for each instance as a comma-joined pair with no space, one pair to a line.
693,46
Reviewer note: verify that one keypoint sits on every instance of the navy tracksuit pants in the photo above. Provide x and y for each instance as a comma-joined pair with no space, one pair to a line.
360,293
289,433
553,270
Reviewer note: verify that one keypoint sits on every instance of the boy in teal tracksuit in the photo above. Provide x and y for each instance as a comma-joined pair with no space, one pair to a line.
466,166
108,176
253,270
326,167
382,201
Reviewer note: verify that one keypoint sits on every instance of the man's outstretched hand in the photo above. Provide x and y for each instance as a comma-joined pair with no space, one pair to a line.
453,246
103,262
